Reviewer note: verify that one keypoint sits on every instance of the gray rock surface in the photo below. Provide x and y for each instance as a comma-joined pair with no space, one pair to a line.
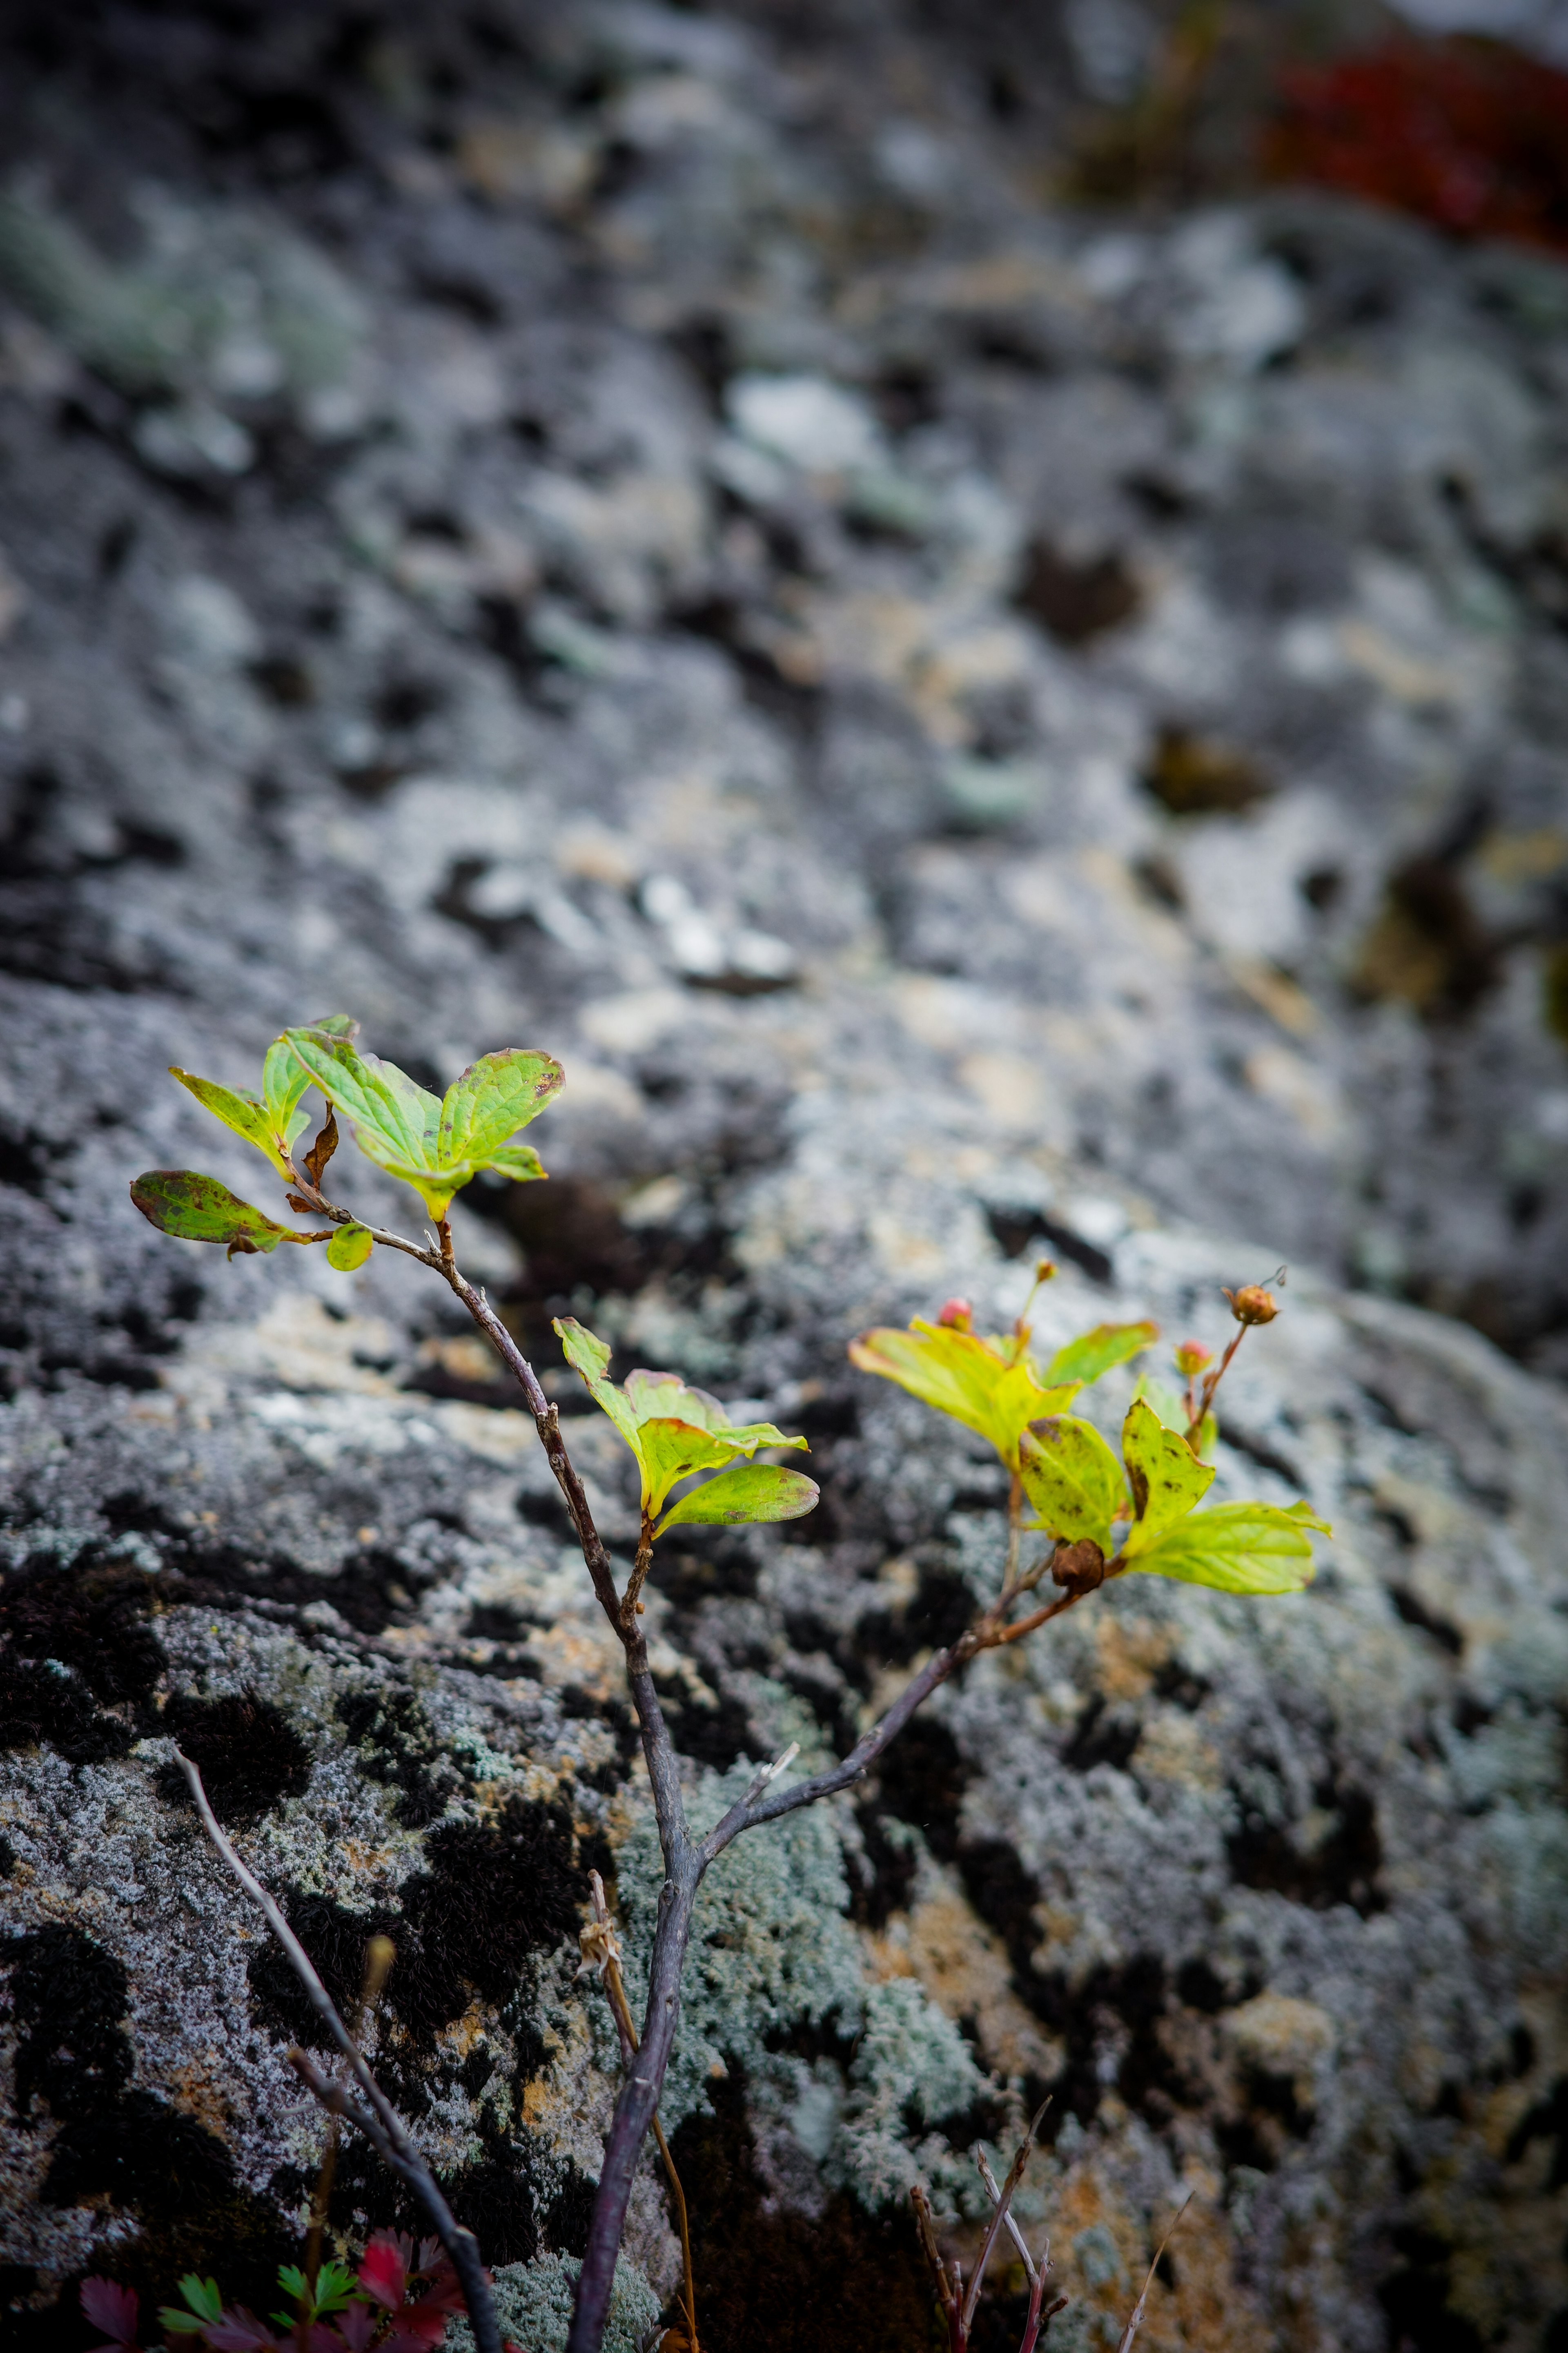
968,729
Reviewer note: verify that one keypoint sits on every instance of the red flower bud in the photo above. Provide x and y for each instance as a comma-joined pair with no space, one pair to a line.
957,1315
1191,1358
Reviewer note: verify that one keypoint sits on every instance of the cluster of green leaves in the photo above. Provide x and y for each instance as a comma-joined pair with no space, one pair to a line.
993,1385
205,2311
675,1430
1080,1489
437,1144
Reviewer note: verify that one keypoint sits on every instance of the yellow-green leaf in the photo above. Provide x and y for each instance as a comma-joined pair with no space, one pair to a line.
518,1161
350,1247
672,1429
959,1375
437,1147
491,1100
197,1209
669,1451
395,1121
1094,1353
1164,1477
589,1357
239,1110
1171,1409
1237,1549
1072,1479
747,1490
284,1079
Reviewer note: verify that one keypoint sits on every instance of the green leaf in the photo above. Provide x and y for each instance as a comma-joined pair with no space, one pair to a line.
1237,1549
1163,1475
181,2324
672,1427
204,2296
749,1491
436,1146
292,2281
1072,1479
518,1161
491,1100
668,1450
960,1375
244,1113
335,2287
199,1210
350,1247
1093,1353
284,1081
395,1121
1171,1410
589,1357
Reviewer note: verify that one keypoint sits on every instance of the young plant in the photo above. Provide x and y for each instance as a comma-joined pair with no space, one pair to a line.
1065,1484
399,2302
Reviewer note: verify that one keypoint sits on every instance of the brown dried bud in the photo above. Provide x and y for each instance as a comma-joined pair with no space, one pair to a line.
957,1315
1191,1358
1253,1304
1046,1269
1079,1567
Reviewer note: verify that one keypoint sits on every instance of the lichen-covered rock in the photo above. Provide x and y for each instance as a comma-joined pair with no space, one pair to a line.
970,731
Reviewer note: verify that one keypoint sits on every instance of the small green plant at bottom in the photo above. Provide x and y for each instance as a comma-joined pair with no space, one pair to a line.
399,2301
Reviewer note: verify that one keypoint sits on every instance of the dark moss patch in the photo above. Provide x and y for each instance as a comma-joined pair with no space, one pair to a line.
1196,776
493,1894
68,1999
1546,2120
1414,2297
79,1660
335,1940
882,1876
569,2214
251,1756
1102,1735
1343,1867
45,1704
840,2282
398,1747
923,1780
1076,597
714,1736
1005,1894
69,1996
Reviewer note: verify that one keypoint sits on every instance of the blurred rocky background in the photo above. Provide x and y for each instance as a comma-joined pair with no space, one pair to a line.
963,609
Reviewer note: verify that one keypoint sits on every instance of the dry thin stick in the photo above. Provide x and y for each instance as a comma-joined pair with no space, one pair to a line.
378,2119
1004,2199
379,1954
1136,2321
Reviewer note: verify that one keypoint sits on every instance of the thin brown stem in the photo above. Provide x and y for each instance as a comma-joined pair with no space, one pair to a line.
1211,1383
946,2288
631,1607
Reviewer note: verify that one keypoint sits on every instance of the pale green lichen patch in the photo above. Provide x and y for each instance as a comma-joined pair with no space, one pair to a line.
533,2305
